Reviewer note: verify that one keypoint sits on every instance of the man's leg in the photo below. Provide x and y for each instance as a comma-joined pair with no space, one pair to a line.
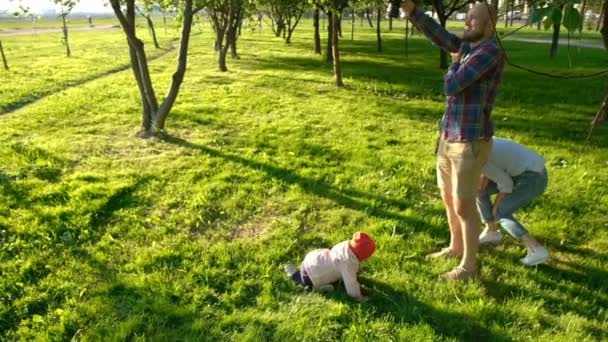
444,181
456,243
469,221
467,160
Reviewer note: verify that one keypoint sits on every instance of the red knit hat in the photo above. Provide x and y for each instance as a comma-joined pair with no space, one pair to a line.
362,245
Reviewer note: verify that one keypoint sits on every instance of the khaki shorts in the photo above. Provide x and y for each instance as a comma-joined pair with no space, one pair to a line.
459,166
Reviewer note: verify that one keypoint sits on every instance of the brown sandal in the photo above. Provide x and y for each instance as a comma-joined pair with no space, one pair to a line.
444,253
459,274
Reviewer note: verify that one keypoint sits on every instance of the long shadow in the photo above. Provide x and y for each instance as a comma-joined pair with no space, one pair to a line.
352,199
37,271
586,284
424,82
403,307
8,187
122,199
143,304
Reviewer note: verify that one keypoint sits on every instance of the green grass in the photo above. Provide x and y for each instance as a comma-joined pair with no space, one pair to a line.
108,237
39,66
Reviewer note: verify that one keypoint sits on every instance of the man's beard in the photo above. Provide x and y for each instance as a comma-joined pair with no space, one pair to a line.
472,36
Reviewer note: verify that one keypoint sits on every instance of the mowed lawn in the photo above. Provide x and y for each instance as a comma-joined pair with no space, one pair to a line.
104,236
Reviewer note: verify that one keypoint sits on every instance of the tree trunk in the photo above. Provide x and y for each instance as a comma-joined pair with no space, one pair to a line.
604,29
222,60
602,16
292,28
495,4
330,29
144,72
222,50
288,29
339,24
407,28
139,63
369,19
555,41
279,30
165,22
390,23
152,31
3,57
512,12
232,34
178,76
336,51
352,26
233,39
317,35
507,13
536,8
583,8
602,115
443,56
65,36
378,36
146,120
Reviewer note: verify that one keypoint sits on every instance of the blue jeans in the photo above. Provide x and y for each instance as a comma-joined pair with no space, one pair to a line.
526,187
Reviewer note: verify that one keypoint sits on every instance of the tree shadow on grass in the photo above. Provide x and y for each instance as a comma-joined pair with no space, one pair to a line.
586,285
386,300
407,82
62,238
348,198
147,312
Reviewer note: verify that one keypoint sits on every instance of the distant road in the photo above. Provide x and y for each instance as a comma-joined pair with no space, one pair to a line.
591,44
23,32
573,42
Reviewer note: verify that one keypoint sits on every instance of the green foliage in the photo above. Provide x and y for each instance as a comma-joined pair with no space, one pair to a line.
571,18
558,14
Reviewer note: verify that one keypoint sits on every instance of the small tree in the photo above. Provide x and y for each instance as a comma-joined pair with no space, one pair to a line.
604,29
145,9
315,22
555,15
65,7
4,62
225,19
333,8
153,114
285,15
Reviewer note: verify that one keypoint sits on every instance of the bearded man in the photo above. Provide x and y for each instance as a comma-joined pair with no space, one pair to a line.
466,129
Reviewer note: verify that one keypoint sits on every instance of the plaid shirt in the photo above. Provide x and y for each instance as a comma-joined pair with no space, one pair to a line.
470,86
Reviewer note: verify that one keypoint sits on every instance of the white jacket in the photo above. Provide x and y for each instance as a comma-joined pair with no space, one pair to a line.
324,266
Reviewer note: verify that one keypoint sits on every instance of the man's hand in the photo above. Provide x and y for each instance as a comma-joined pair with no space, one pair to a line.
408,6
456,56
